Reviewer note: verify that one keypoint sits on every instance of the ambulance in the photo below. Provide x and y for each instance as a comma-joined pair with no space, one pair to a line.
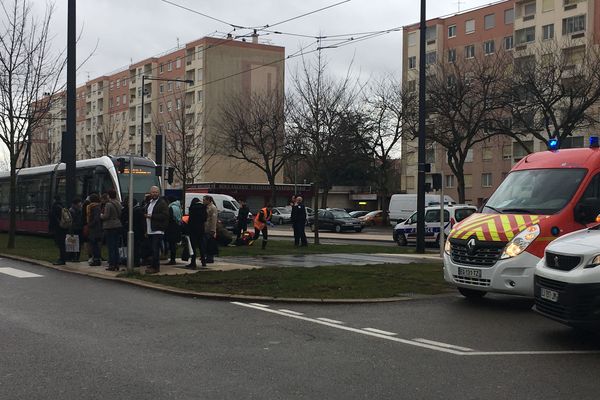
546,195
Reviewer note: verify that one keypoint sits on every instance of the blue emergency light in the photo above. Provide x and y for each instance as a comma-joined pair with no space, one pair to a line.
594,143
553,144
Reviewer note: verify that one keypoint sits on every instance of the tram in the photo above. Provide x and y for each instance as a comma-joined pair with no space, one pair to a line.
37,186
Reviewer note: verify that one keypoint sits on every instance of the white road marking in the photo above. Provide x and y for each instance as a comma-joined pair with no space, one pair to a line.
290,312
380,331
332,321
259,305
17,273
450,349
441,344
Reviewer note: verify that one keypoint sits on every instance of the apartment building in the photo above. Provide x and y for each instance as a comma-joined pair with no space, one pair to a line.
516,26
109,108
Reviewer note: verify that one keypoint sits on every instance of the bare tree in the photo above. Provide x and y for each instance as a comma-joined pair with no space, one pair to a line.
253,129
386,106
187,150
552,90
318,107
28,71
45,152
110,138
464,101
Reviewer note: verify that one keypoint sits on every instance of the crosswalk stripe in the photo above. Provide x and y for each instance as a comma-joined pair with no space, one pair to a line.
17,273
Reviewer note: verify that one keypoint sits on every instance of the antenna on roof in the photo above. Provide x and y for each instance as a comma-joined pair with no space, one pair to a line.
177,42
458,3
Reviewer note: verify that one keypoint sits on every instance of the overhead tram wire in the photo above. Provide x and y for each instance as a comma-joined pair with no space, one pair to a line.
302,15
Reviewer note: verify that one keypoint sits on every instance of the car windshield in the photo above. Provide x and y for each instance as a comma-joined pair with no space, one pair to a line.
535,191
340,214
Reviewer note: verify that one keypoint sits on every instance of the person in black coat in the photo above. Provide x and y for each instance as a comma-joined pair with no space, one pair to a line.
195,229
299,222
242,220
58,232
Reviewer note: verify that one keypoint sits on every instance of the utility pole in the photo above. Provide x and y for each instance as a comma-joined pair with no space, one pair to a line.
421,146
69,142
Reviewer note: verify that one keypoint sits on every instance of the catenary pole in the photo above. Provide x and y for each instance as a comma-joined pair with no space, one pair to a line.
421,147
69,138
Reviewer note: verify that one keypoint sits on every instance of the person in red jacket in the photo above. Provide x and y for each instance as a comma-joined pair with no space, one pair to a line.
260,224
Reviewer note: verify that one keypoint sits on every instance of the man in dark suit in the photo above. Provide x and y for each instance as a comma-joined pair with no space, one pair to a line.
299,222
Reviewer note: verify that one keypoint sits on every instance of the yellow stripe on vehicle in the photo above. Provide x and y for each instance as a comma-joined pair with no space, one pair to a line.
507,227
493,231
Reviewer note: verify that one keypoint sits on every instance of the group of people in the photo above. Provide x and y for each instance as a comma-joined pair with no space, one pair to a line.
158,225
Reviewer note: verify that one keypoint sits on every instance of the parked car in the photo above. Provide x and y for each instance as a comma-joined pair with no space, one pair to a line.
228,219
336,219
281,215
358,213
372,218
406,232
403,205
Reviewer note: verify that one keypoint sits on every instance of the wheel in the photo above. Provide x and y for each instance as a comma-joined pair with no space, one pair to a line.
338,228
312,227
471,294
358,230
401,240
280,221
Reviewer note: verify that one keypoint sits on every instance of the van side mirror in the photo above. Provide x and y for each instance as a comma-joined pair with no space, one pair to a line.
587,210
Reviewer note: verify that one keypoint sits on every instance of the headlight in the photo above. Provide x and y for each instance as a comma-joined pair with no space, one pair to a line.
447,247
594,263
520,242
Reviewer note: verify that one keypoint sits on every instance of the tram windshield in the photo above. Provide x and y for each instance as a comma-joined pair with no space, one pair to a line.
144,177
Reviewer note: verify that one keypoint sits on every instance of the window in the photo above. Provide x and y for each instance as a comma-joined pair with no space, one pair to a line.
521,150
431,57
118,83
431,34
452,55
177,85
118,101
112,85
412,62
169,106
434,216
468,181
509,16
547,5
507,152
486,180
470,26
160,108
178,103
160,68
508,43
574,55
449,181
573,24
124,83
489,47
487,154
412,86
529,9
470,51
124,98
178,63
412,38
200,74
430,156
451,81
170,66
452,31
548,32
469,157
161,88
170,86
572,142
489,21
200,96
526,35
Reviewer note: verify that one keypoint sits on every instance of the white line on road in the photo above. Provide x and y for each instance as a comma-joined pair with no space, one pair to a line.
290,312
331,321
423,343
380,331
441,344
18,273
259,305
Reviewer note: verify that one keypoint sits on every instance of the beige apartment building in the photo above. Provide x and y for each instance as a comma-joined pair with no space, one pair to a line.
109,107
516,26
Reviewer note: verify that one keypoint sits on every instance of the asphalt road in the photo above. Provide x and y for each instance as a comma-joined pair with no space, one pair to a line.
73,337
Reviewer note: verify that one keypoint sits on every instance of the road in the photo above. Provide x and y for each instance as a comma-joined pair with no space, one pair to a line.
74,337
371,235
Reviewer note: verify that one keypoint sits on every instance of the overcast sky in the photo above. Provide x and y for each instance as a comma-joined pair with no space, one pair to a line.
131,30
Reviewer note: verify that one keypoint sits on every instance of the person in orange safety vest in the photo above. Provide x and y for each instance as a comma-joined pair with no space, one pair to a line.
260,224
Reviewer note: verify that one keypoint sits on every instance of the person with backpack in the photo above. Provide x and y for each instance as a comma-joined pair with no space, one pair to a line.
111,224
173,233
57,225
261,221
95,233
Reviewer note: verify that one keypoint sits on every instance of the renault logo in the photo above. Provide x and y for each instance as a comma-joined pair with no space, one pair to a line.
471,245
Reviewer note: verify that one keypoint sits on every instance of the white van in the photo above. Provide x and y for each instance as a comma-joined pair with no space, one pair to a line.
567,279
403,205
406,231
222,201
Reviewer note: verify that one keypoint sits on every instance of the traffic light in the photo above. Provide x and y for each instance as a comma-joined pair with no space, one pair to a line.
170,172
436,181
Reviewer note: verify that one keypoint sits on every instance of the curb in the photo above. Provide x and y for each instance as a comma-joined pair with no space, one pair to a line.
210,295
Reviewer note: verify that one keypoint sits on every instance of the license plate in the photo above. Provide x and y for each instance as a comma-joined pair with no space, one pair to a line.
469,273
547,294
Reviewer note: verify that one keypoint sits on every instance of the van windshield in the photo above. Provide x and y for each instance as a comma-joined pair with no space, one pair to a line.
535,191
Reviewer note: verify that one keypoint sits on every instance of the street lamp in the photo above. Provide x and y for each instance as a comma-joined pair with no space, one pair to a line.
149,78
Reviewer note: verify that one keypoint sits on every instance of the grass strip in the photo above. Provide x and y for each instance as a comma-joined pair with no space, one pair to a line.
326,282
